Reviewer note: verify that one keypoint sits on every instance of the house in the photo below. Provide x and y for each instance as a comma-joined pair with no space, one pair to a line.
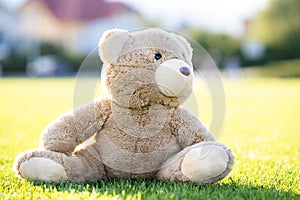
74,24
9,34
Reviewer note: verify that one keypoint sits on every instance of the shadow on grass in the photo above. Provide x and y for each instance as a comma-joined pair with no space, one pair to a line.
154,189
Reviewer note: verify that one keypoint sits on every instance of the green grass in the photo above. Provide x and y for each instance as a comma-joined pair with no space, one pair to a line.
262,127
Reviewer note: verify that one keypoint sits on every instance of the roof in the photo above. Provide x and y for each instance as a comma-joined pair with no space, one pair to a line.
84,9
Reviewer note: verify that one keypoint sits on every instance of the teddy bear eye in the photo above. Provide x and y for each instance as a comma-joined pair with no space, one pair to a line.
157,56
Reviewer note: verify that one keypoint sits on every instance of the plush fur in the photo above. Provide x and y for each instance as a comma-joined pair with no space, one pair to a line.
139,129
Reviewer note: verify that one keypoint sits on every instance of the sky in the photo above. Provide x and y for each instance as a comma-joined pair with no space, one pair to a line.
213,15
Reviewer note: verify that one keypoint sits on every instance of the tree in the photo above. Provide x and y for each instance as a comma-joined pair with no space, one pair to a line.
219,46
278,28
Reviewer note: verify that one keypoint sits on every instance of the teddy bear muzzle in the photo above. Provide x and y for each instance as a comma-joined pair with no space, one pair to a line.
174,78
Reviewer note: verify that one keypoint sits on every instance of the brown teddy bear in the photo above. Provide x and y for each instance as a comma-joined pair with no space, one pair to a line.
138,129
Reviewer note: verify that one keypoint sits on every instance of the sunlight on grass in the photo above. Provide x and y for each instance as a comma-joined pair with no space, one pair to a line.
262,127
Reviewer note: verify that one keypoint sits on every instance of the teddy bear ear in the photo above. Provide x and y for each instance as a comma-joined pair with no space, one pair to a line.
185,44
111,44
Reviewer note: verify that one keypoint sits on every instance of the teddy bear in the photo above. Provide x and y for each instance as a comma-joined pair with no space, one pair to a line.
138,129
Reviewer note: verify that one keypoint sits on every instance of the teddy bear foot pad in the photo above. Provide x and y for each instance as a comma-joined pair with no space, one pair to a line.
43,169
204,163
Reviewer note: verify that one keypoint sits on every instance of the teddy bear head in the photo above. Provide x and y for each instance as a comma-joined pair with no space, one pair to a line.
146,67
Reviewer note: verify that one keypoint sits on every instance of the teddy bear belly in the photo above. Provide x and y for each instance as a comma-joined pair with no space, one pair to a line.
113,173
126,157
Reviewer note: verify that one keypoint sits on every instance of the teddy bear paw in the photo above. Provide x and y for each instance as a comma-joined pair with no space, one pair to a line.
204,163
42,169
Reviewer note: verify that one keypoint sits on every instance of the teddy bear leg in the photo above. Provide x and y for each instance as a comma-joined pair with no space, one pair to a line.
49,166
205,162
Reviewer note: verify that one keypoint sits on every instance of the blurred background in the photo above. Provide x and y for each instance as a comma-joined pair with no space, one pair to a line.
52,37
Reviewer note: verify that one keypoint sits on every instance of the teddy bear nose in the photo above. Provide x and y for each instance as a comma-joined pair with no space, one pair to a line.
185,71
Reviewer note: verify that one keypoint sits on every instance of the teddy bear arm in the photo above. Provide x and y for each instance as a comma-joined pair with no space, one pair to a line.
189,130
60,135
73,128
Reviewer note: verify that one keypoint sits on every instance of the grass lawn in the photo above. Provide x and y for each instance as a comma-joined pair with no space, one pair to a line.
262,127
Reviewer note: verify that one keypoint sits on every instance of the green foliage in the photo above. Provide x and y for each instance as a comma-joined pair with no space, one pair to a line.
261,127
219,46
278,28
15,62
74,60
227,44
50,48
